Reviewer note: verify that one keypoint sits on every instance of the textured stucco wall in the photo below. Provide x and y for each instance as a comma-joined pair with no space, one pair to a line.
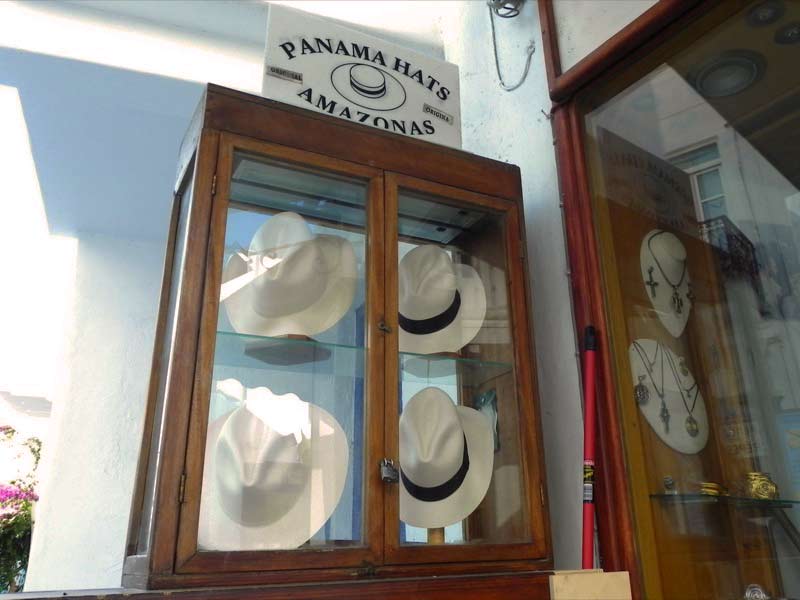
97,416
582,25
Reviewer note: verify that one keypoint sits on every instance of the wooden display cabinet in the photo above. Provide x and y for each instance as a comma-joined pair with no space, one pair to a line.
375,196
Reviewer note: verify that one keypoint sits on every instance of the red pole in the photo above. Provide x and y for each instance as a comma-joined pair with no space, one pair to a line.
589,440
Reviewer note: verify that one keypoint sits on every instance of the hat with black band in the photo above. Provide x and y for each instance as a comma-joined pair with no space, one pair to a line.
442,304
446,459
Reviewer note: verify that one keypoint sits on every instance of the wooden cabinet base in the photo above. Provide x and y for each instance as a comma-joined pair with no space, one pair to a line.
520,586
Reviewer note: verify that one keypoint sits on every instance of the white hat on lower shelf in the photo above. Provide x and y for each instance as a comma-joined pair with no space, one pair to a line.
446,459
275,468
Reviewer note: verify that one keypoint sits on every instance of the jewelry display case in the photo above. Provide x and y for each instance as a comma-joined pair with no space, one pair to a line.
690,203
343,385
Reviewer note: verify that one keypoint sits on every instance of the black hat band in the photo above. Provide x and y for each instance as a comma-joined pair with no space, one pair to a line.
434,323
439,492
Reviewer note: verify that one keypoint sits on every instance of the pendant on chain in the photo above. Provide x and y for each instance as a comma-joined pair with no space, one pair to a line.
691,426
640,392
664,414
651,283
677,301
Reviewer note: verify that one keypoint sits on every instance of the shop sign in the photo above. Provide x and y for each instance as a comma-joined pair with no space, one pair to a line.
327,68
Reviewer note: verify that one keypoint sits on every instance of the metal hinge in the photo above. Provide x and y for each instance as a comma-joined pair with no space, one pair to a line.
365,569
182,489
214,184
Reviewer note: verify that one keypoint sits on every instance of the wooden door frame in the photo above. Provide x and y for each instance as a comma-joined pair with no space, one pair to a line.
641,38
537,549
188,559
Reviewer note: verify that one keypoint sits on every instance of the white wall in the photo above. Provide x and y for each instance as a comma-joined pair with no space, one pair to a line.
582,25
107,89
82,517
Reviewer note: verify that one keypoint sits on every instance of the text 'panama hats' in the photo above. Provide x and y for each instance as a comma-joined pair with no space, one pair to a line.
275,468
446,460
290,281
442,305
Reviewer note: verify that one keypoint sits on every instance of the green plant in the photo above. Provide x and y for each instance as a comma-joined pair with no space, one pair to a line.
16,517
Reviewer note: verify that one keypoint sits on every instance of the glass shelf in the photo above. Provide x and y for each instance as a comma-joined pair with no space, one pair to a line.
436,367
287,354
737,501
302,354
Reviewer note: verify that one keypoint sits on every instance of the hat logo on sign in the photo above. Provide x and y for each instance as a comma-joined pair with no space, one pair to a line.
368,86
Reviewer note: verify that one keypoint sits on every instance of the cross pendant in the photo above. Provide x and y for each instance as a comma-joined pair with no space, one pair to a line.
651,283
677,301
690,294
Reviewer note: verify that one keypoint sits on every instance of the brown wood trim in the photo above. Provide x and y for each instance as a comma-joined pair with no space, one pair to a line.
189,560
614,516
198,415
519,586
327,576
552,55
375,386
267,120
157,371
177,396
565,84
531,443
391,362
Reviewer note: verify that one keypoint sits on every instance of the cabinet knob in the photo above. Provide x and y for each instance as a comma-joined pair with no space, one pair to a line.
389,473
384,327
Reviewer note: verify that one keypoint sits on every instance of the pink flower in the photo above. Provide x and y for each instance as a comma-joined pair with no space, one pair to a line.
12,494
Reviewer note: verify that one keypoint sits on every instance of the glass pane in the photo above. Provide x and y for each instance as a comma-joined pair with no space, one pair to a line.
696,157
713,208
184,198
705,316
284,457
709,184
461,474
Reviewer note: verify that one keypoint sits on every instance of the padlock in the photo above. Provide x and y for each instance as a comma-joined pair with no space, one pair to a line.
389,473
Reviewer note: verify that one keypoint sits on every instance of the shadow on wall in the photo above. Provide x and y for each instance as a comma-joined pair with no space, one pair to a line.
105,144
105,141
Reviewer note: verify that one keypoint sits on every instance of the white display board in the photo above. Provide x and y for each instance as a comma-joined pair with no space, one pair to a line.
319,65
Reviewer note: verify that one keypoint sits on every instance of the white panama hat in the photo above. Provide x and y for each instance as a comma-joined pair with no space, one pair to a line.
442,305
275,469
446,459
289,281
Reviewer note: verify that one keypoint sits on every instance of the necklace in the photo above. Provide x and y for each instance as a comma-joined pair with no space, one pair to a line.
640,392
677,298
692,427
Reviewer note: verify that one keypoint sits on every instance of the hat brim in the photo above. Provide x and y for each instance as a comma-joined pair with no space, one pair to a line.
461,503
332,304
329,459
465,326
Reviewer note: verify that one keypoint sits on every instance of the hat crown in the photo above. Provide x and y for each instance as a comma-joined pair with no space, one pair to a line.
427,282
291,270
281,233
431,438
255,464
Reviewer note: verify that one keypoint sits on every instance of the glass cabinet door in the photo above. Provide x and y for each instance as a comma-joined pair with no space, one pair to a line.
458,428
283,397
